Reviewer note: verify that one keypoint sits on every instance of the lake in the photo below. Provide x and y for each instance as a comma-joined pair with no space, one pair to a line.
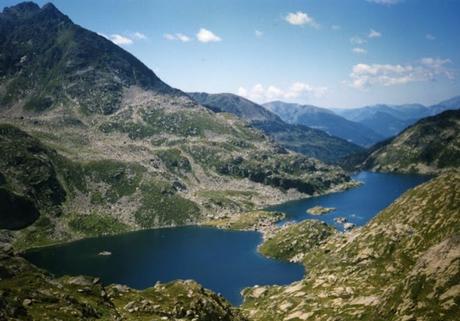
224,261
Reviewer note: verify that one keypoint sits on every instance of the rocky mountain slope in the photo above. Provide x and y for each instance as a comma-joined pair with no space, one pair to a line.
308,141
96,143
403,265
431,145
326,120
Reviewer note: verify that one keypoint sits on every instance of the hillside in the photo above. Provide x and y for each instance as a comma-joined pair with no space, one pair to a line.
403,265
326,120
430,145
97,143
308,141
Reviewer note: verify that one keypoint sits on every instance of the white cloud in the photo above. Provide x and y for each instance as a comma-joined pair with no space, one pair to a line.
258,33
139,35
182,37
374,34
205,35
385,2
429,36
425,69
177,36
357,40
120,40
359,50
260,93
335,27
300,18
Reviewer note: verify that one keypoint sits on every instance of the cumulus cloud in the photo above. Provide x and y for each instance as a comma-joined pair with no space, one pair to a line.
425,69
124,40
120,40
374,34
262,93
385,2
359,50
177,36
205,35
300,18
139,35
357,40
258,33
429,36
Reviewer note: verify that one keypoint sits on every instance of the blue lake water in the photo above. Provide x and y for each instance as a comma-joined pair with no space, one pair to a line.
224,261
357,205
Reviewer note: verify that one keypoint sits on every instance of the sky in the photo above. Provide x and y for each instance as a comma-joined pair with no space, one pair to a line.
330,53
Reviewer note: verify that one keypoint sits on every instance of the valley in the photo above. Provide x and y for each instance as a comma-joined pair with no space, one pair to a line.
123,198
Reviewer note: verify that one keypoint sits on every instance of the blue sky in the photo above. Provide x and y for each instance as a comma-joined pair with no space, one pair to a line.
332,53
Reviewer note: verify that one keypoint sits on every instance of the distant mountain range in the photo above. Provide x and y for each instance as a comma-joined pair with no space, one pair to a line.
326,120
297,137
390,120
364,126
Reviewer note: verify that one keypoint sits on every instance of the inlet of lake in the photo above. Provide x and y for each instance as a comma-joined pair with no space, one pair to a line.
223,261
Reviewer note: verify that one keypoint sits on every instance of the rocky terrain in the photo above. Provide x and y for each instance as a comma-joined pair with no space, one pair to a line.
95,143
294,136
403,265
429,146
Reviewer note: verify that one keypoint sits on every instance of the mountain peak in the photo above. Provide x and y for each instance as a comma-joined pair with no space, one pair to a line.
21,10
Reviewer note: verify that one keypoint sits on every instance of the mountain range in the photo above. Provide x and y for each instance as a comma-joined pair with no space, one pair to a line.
303,139
93,142
326,120
364,126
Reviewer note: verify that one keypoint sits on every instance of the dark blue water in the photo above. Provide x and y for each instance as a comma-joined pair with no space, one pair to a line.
224,261
357,205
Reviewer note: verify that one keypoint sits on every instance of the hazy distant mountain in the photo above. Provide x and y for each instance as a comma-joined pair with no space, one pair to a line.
324,119
308,141
452,103
390,120
433,143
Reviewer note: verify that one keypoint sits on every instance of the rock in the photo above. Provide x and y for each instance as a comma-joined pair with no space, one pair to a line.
340,219
26,302
348,226
319,210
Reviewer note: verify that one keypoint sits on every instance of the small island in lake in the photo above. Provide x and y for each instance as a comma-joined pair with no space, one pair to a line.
319,210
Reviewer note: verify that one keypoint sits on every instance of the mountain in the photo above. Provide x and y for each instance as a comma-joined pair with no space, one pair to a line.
326,120
235,105
386,120
430,145
390,120
308,141
452,103
403,265
93,142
